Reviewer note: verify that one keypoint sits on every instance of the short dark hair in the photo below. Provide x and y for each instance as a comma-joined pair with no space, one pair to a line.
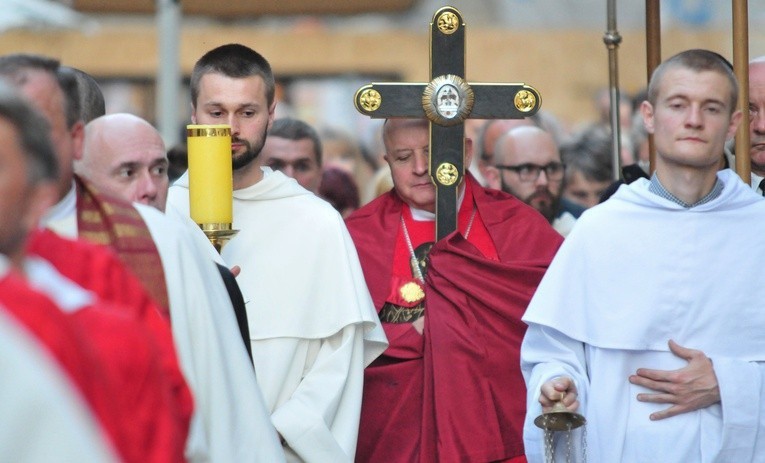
33,131
16,66
590,153
295,129
236,61
92,103
698,60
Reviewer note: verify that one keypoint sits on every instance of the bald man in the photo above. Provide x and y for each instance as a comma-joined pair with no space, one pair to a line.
125,157
488,135
527,164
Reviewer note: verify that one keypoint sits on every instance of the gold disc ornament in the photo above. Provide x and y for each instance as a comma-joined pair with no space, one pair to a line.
411,292
369,99
447,174
525,101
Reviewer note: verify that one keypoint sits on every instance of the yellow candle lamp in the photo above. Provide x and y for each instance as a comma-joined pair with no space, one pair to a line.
210,176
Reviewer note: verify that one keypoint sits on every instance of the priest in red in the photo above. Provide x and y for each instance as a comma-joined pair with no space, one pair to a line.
449,387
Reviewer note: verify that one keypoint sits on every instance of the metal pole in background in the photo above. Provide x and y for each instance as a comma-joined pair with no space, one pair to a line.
612,39
168,74
741,67
653,57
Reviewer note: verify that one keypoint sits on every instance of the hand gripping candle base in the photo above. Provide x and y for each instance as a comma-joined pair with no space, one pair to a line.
211,181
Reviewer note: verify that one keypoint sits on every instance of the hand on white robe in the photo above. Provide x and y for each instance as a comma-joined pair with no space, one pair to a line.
561,389
690,388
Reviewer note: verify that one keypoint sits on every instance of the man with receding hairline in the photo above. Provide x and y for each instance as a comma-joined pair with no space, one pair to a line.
449,387
161,252
293,147
527,164
125,156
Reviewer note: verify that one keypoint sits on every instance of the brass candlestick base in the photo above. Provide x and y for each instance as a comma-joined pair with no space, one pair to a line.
218,233
559,419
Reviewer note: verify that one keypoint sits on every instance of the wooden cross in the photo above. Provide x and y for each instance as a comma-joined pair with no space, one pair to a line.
447,100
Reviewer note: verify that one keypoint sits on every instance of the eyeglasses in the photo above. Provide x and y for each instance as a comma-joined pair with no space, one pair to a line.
530,172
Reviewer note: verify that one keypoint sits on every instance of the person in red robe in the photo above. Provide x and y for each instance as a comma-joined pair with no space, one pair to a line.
99,270
449,387
67,345
119,370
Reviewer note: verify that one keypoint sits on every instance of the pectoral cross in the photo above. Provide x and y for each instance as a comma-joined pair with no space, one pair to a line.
447,100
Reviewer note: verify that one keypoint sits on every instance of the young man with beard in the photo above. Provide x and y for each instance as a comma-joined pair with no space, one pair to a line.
527,164
449,387
312,324
651,339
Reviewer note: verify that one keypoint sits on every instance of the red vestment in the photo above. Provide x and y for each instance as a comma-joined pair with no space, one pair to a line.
68,345
97,269
456,393
107,220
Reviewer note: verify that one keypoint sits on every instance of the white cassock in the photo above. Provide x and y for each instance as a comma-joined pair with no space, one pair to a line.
43,418
637,271
312,323
230,421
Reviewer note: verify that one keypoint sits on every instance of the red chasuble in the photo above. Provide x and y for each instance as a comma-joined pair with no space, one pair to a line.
455,394
97,269
106,220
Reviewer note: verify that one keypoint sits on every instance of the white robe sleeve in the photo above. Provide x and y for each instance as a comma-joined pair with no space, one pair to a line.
319,421
547,354
42,417
742,390
230,421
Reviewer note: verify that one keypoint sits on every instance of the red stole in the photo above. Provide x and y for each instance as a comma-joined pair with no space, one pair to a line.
106,220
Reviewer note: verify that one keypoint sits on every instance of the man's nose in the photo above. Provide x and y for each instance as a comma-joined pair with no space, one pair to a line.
421,163
234,123
758,123
542,179
693,118
147,188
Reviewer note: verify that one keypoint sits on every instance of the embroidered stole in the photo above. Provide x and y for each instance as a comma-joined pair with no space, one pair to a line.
105,220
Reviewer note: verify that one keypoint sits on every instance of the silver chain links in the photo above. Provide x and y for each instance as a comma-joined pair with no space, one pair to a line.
549,444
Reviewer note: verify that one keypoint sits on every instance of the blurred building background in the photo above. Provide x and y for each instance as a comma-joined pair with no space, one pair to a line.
323,51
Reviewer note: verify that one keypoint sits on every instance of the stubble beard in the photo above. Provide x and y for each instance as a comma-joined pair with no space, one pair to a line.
545,202
542,200
250,153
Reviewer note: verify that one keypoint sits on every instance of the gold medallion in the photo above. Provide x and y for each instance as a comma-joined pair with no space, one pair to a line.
411,292
368,99
525,101
448,23
447,174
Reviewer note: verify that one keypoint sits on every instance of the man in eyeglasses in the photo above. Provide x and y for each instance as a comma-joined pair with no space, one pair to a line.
527,164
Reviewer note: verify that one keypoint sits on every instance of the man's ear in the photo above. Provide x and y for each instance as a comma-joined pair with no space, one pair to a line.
77,132
492,176
40,199
468,151
646,110
271,115
193,114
